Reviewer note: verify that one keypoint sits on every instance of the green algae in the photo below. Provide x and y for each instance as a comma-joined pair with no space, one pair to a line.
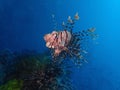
12,85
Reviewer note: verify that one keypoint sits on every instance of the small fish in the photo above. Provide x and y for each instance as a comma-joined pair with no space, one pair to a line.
76,16
69,19
63,23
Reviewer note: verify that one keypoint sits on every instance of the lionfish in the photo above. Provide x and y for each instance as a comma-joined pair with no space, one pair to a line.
67,44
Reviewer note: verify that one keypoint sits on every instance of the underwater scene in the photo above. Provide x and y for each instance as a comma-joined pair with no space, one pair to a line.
59,45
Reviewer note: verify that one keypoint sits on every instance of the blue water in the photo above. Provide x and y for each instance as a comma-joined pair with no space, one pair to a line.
23,23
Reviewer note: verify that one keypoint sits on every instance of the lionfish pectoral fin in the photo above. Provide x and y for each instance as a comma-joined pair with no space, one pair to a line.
85,61
69,52
71,31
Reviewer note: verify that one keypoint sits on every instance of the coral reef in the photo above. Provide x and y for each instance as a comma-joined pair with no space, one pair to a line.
52,77
6,64
35,71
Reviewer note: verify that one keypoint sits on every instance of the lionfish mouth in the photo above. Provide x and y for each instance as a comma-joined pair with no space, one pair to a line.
67,44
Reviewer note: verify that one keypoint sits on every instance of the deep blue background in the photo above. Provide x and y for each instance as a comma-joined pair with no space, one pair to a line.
23,24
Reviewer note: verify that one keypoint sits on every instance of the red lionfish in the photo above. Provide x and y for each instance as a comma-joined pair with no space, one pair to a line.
65,43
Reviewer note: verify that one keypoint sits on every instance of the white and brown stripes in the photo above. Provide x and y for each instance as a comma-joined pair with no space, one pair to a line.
58,40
